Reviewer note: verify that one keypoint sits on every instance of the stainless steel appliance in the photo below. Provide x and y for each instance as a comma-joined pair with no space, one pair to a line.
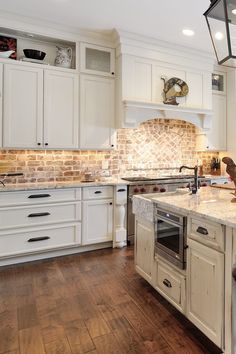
170,236
141,185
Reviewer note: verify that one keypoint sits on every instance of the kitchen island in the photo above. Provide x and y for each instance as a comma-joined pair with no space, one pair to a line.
203,289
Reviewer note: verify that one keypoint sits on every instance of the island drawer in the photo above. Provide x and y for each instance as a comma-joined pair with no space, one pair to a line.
171,285
39,196
206,232
97,192
13,217
40,239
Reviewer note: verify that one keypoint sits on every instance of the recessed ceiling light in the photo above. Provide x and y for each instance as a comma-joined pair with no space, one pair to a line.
219,36
234,11
188,32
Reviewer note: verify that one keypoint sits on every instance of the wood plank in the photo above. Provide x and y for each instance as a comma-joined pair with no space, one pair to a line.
107,344
60,346
97,327
30,341
27,316
8,331
78,337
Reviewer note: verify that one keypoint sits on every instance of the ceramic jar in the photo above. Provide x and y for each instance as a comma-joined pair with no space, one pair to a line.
64,57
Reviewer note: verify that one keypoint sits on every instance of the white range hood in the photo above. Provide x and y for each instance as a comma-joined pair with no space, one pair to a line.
136,112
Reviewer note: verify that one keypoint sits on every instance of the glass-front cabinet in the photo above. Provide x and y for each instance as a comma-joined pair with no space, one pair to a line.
97,60
219,83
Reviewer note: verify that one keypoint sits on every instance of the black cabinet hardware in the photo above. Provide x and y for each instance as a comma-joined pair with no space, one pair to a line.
46,144
35,215
121,190
110,203
97,192
39,143
234,272
112,73
202,230
36,239
34,196
167,283
112,145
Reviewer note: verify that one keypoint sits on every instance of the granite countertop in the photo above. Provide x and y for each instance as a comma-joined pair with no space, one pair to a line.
218,205
59,185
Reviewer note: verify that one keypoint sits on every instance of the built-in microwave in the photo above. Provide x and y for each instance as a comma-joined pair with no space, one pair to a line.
171,236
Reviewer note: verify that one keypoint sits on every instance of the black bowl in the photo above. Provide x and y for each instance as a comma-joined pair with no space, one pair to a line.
34,54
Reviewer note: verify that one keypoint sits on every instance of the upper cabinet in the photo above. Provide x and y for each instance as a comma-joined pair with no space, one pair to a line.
97,120
23,107
97,60
1,96
40,108
60,109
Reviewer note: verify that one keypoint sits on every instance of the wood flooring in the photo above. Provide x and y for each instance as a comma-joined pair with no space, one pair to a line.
91,303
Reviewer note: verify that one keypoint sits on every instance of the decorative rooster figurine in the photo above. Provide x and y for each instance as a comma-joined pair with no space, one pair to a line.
230,169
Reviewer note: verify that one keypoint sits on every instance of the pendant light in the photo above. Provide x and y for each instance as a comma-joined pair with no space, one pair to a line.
221,21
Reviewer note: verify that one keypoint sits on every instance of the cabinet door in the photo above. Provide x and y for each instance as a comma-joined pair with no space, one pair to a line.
60,109
215,139
96,112
23,106
97,221
1,105
144,248
97,59
205,279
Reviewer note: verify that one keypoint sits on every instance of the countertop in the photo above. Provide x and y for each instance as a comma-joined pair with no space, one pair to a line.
218,205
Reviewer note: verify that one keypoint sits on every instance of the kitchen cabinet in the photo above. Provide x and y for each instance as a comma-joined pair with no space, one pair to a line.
144,248
215,139
205,297
97,117
40,108
1,98
60,109
97,223
23,106
97,60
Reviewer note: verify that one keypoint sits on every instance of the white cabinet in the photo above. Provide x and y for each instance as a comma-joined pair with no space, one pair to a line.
60,109
40,108
144,248
97,119
23,106
97,60
1,105
97,222
205,278
215,139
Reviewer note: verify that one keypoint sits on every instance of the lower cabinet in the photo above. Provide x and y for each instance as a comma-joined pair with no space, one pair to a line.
144,248
171,284
97,221
205,277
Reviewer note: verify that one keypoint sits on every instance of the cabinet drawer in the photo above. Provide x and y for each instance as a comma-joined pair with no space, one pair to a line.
171,285
39,215
40,239
98,192
208,233
39,196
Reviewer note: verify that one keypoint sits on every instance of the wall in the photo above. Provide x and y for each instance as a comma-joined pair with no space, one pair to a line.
157,147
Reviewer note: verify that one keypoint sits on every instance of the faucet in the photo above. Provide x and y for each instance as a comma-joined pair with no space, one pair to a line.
195,168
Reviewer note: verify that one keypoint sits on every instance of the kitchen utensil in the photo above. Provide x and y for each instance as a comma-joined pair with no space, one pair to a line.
34,54
6,54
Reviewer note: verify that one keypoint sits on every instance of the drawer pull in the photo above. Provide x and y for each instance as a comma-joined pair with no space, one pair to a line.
36,239
121,190
34,196
167,283
97,192
234,272
202,230
35,215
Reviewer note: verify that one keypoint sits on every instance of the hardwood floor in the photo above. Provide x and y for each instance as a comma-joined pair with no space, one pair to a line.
92,303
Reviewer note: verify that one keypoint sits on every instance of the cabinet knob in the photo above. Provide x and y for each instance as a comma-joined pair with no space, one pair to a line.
112,145
39,144
234,272
112,73
110,203
46,144
207,147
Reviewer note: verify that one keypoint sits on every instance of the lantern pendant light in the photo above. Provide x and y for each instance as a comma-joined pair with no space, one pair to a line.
221,21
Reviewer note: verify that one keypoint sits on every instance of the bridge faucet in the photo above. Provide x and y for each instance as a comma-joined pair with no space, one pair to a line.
196,185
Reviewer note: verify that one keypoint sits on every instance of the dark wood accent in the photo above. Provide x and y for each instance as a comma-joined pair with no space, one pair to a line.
90,303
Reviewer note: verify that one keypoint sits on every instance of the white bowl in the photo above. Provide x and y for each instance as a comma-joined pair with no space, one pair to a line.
6,54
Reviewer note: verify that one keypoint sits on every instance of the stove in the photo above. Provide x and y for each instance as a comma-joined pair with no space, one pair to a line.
142,185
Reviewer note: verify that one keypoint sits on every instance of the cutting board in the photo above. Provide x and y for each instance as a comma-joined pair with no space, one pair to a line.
230,186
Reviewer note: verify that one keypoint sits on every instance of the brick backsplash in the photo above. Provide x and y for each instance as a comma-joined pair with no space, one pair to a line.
156,147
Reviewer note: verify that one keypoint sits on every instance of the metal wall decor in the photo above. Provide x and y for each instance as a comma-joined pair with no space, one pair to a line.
173,88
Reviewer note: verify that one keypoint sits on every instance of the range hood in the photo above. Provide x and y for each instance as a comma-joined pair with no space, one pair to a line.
136,112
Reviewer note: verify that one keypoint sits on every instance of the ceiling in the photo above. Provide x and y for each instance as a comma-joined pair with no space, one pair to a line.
154,18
